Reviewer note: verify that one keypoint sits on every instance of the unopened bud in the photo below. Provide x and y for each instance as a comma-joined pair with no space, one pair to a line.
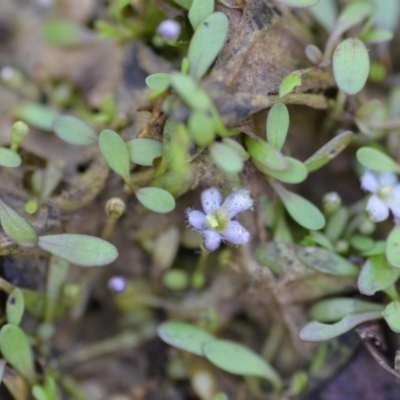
115,207
331,202
19,132
342,246
12,78
367,227
169,29
117,284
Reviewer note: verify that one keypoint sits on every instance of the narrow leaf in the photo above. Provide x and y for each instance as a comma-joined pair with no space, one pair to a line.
15,307
299,3
36,115
296,172
156,199
277,125
393,247
376,160
15,227
116,153
83,250
74,131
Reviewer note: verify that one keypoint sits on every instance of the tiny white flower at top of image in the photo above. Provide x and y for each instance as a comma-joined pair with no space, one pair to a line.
215,223
385,197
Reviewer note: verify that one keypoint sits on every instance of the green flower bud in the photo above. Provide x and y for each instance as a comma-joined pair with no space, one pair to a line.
115,207
331,202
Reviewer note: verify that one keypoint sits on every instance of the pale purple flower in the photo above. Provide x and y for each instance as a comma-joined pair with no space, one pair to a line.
169,29
117,284
215,223
385,197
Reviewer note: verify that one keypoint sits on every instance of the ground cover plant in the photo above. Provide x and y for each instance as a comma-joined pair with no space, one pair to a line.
199,199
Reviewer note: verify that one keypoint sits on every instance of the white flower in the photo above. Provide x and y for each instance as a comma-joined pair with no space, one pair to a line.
385,191
169,29
216,224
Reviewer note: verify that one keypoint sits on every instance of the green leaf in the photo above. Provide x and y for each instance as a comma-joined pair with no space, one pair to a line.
74,131
83,250
299,3
199,11
184,3
15,227
361,243
314,54
393,247
15,348
123,3
175,279
36,115
201,127
226,158
387,13
9,158
378,36
379,247
325,12
327,262
116,153
355,12
300,209
15,307
328,151
156,199
265,154
106,30
376,160
289,83
158,82
277,125
337,223
392,316
39,393
206,43
316,331
63,33
296,173
239,149
144,151
184,336
351,65
332,310
239,360
377,274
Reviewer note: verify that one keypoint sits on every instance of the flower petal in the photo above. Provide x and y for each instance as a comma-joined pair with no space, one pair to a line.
387,178
212,240
211,200
395,209
236,233
369,182
196,219
237,202
377,209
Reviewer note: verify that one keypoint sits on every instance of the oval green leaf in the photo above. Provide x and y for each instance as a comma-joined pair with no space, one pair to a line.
206,43
296,173
376,160
199,11
156,199
83,250
144,151
328,151
226,158
289,83
332,310
378,36
392,316
158,82
265,154
300,209
15,307
15,227
184,336
277,125
299,3
201,128
74,131
317,332
337,223
116,153
236,359
36,115
9,158
15,348
376,274
353,14
351,65
393,247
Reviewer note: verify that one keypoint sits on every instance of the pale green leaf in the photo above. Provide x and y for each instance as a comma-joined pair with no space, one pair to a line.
351,65
206,43
289,83
36,115
316,331
299,3
74,131
83,250
15,307
226,158
387,14
392,316
144,151
64,33
378,36
296,172
158,82
15,348
199,11
237,359
201,128
376,160
184,336
175,279
9,158
156,199
337,223
186,4
15,227
355,12
314,54
393,247
277,125
325,12
116,153
328,151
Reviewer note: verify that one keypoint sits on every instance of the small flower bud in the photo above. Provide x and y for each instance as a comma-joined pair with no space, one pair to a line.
342,246
331,202
19,132
12,78
114,209
169,29
367,227
117,284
